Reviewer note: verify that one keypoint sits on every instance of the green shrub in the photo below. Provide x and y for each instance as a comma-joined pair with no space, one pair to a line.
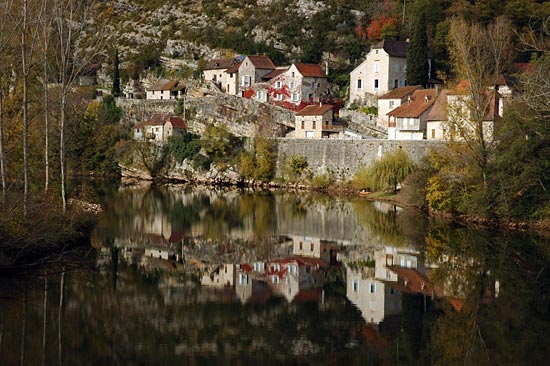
294,167
322,181
184,146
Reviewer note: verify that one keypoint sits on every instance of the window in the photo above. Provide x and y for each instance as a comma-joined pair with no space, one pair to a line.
245,80
403,82
392,103
277,267
373,288
396,67
303,126
355,285
359,84
278,96
311,245
372,305
405,68
376,52
293,268
295,97
375,84
388,274
258,266
313,125
278,84
275,279
292,73
292,85
395,83
243,279
433,133
376,67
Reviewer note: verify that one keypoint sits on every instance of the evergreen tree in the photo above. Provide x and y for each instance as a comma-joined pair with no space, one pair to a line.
116,76
417,54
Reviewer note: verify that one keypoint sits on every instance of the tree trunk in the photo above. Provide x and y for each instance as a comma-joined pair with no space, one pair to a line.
2,156
46,124
62,147
25,108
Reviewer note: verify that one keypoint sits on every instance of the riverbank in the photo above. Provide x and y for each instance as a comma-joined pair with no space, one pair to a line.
45,235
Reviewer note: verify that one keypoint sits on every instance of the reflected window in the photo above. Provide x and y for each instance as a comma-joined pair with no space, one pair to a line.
275,279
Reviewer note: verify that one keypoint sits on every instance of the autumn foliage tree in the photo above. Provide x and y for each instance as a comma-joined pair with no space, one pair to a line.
382,27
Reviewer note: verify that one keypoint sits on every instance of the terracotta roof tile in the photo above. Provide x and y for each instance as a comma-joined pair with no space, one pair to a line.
399,93
421,100
163,85
159,119
262,62
178,122
233,69
439,110
314,110
273,74
311,70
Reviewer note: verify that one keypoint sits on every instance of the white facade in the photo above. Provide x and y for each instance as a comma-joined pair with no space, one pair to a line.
382,70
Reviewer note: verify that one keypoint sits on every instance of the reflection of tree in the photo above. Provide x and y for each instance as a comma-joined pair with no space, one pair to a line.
383,225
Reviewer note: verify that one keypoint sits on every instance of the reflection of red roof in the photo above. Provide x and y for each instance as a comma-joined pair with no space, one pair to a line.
524,67
311,261
176,237
410,281
371,334
311,70
246,267
309,295
457,304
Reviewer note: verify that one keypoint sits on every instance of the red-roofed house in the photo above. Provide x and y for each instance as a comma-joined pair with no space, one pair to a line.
392,100
215,71
315,121
408,121
159,127
300,83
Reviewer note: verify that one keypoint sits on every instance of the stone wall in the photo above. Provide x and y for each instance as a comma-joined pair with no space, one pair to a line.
343,158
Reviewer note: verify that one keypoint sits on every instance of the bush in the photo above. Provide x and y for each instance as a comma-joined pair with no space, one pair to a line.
184,146
261,163
322,181
386,173
294,167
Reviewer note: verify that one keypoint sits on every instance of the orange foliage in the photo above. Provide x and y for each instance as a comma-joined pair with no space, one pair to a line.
374,30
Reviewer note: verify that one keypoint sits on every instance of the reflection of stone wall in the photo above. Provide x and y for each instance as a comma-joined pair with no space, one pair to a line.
344,157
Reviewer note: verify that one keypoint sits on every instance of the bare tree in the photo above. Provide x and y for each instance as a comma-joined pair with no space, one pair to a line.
69,23
5,35
479,53
46,34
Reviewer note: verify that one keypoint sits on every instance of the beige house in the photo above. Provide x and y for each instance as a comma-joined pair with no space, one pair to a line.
214,71
392,100
224,275
248,72
166,90
408,122
450,118
315,121
159,127
384,69
298,83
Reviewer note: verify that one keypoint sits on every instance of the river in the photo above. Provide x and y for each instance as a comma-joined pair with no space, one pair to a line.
194,276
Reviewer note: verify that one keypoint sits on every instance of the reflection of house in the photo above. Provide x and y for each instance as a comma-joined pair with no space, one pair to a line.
289,277
223,275
159,127
306,246
374,299
166,90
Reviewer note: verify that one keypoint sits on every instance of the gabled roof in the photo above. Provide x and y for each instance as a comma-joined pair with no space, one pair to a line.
393,48
311,70
314,110
163,85
420,101
233,69
262,62
273,74
217,64
439,110
400,93
159,119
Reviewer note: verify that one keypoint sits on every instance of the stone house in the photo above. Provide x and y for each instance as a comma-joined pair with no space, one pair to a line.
166,90
214,71
408,122
315,121
224,275
88,76
248,72
134,90
384,69
159,127
392,100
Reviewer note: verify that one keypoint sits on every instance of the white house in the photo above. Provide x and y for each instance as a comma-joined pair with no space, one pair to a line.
384,69
299,83
392,100
408,122
215,71
159,127
166,90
